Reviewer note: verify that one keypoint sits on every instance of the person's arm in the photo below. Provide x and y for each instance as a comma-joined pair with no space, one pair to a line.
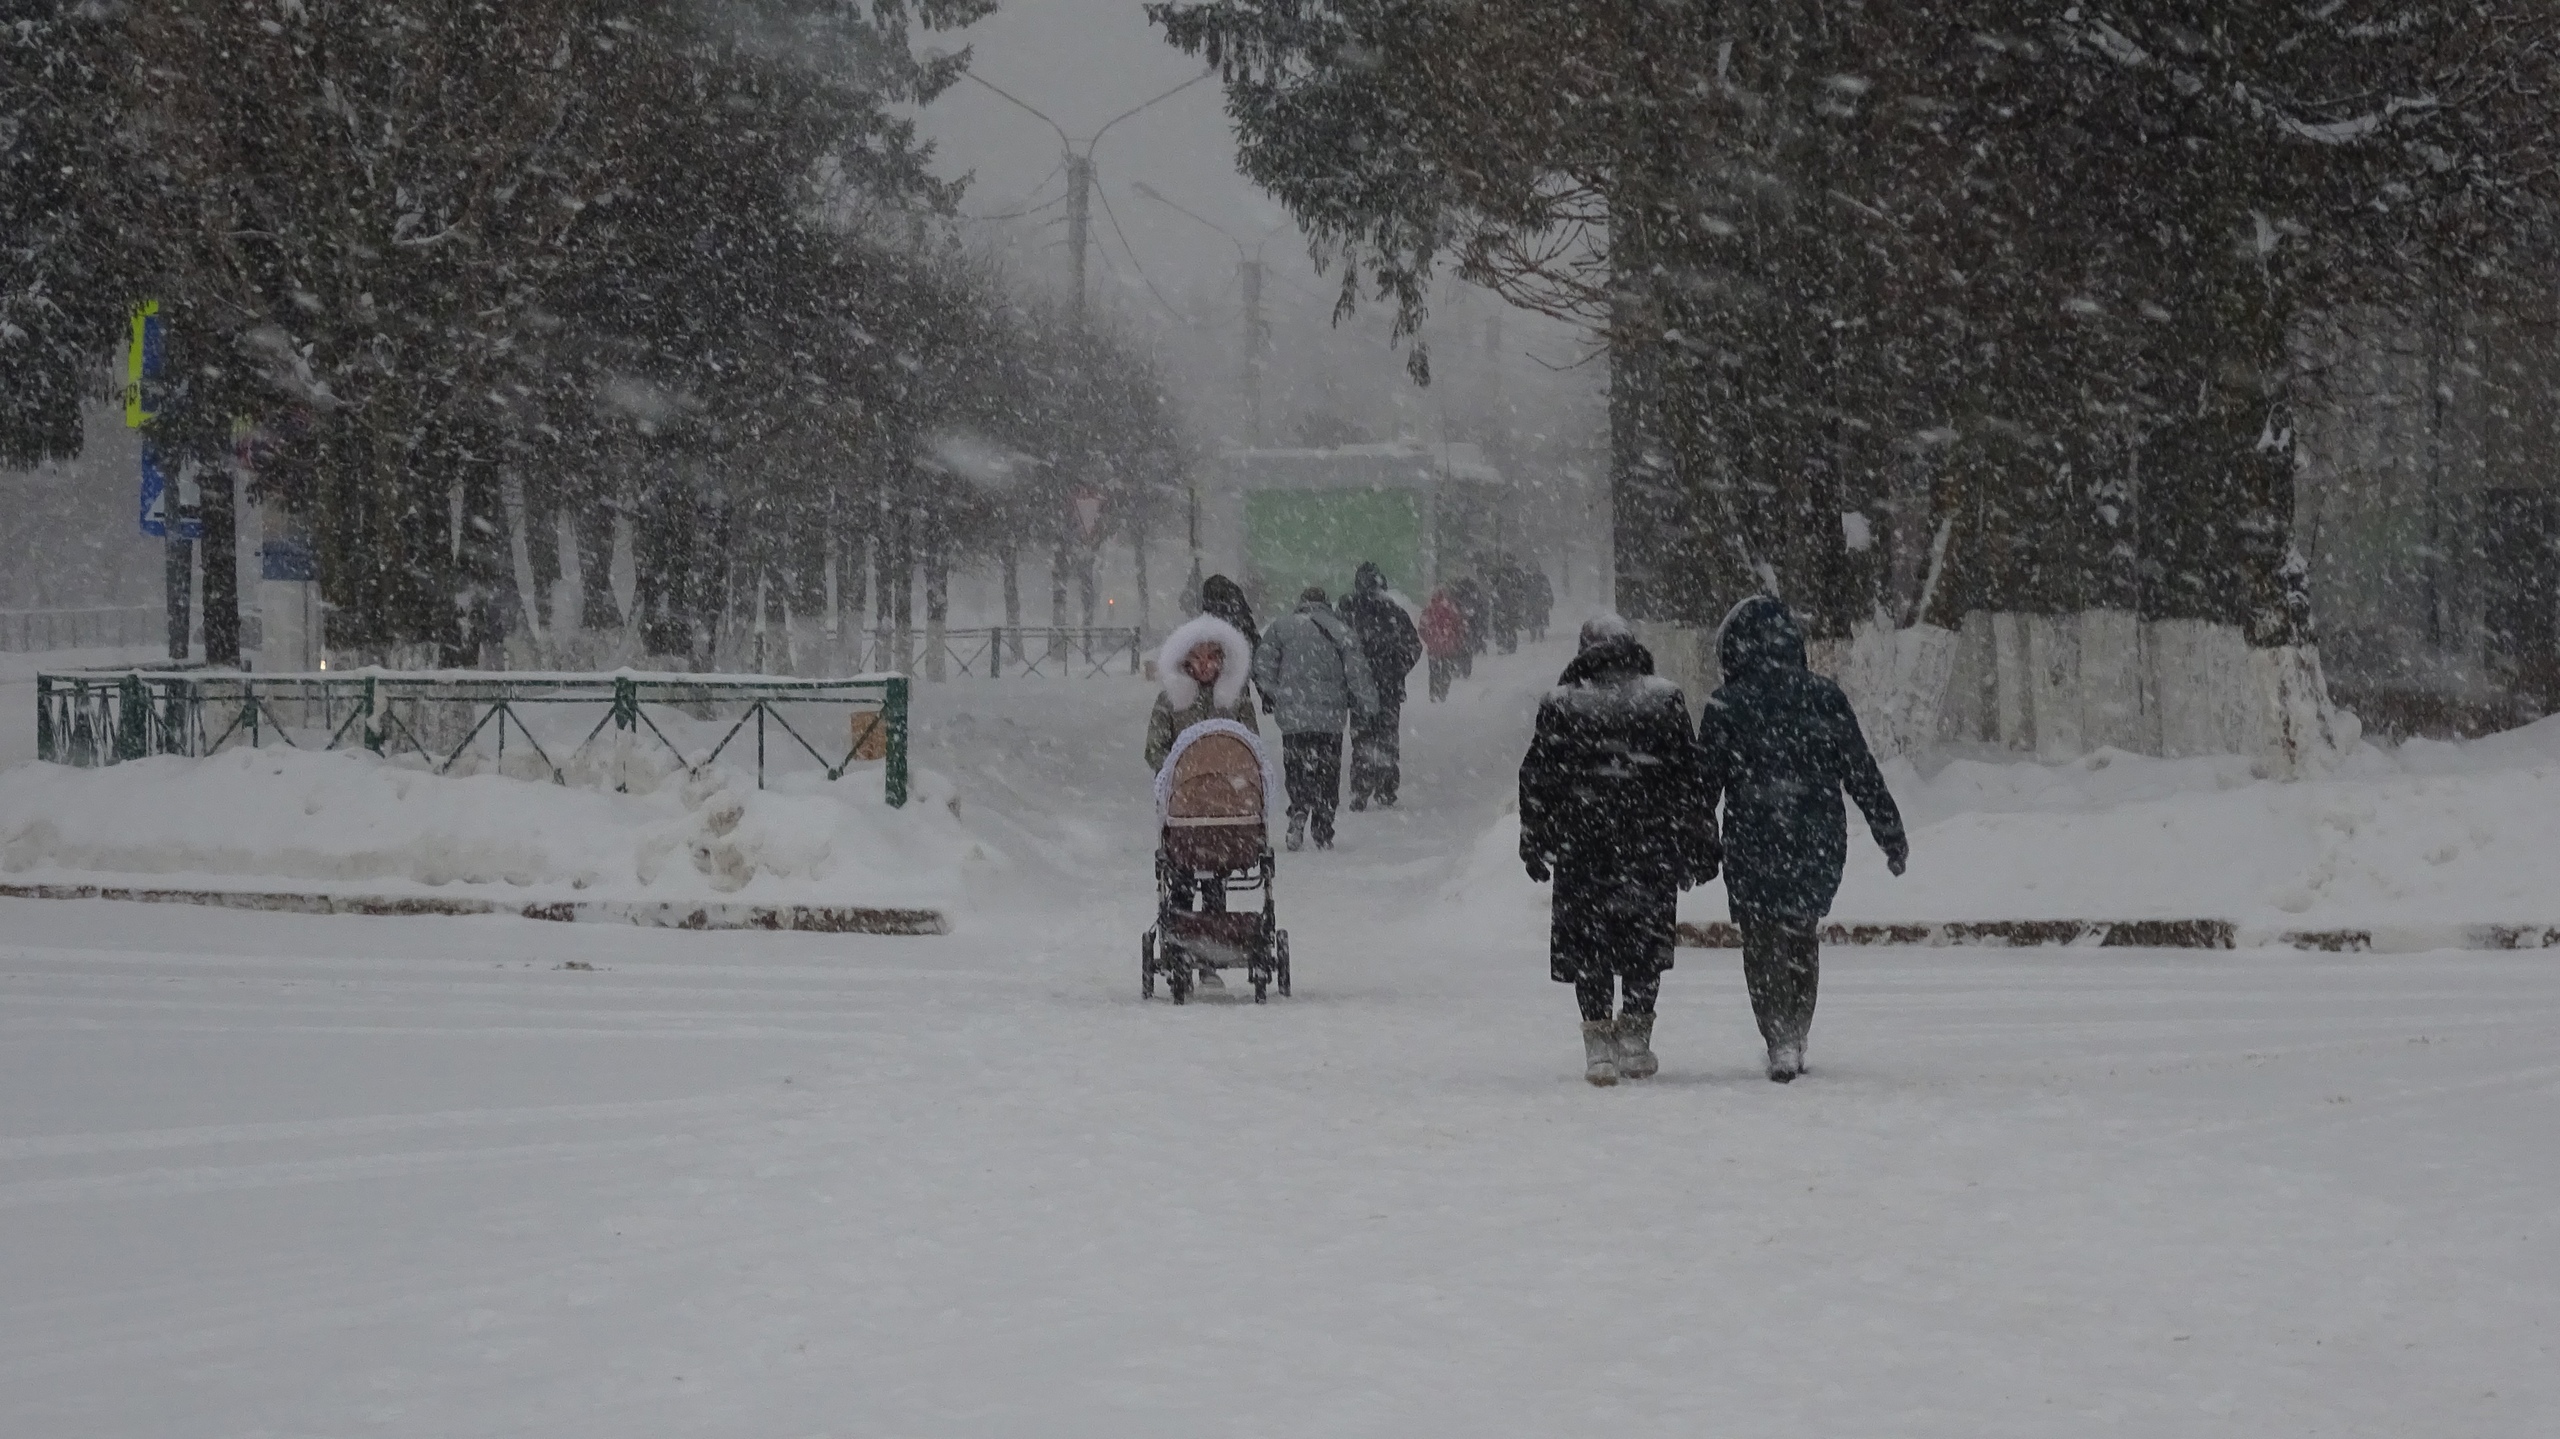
1537,815
1266,662
1695,797
1355,673
1714,774
1160,735
1864,781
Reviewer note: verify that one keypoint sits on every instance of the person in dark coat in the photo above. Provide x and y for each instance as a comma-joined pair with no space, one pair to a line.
1225,599
1391,644
1613,809
1780,744
1542,603
1476,608
1510,602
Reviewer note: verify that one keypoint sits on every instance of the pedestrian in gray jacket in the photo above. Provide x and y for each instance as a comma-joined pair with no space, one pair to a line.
1310,667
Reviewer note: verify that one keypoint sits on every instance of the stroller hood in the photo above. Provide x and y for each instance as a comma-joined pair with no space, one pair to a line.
1272,784
1180,687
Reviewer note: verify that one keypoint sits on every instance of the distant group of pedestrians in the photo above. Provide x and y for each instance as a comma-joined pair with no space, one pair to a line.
1467,616
1322,670
1619,794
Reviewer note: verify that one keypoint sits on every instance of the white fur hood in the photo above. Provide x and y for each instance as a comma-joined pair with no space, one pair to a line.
1180,689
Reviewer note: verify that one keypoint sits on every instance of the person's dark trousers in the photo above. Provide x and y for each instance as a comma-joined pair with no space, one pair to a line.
1375,740
1312,765
1467,665
1782,966
1597,987
1442,671
1507,640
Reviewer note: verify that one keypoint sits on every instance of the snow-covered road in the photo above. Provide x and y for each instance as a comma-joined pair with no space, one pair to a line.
294,1176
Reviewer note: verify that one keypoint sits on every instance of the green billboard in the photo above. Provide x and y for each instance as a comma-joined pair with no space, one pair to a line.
1297,538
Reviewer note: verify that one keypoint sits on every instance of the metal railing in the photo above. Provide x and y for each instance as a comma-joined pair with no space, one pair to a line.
1030,650
101,627
102,719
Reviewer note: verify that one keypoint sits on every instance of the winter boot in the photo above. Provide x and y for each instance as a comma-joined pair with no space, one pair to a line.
1600,1051
1786,1061
1635,1047
1297,832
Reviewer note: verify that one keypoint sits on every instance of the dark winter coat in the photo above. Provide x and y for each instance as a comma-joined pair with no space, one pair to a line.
1780,745
1387,636
1476,608
1224,598
1612,799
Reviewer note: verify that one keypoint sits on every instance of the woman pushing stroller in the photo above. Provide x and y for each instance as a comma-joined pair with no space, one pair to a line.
1214,779
1204,672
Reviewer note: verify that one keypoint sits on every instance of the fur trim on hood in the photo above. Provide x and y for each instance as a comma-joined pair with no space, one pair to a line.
1179,687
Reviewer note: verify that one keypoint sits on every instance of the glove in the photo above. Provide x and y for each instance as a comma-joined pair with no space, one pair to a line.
1897,859
1539,873
1706,870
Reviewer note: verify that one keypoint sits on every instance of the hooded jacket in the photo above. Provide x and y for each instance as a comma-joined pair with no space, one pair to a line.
1311,670
1387,636
1225,599
1180,701
1611,792
1780,745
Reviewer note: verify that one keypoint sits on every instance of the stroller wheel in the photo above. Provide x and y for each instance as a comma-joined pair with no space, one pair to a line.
1147,966
1281,943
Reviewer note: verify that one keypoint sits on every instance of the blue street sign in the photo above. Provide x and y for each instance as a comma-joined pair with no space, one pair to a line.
156,499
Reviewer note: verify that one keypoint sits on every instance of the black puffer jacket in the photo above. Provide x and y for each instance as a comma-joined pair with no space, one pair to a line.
1224,598
1780,744
1387,636
1612,787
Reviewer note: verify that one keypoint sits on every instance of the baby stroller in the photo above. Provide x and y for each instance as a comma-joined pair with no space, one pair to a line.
1214,843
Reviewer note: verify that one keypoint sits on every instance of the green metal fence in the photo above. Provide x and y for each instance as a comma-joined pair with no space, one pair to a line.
100,719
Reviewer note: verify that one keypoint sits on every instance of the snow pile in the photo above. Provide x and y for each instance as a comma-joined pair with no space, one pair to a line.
2425,834
349,821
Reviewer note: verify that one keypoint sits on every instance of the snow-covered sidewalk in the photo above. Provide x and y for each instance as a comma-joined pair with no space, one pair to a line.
278,1174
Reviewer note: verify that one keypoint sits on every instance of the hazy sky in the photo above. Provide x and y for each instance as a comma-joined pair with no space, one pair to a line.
1082,62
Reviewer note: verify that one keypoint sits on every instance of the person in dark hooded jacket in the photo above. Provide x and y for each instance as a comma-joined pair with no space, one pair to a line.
1780,744
1225,599
1391,644
1613,808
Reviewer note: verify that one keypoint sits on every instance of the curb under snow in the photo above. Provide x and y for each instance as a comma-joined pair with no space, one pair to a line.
2158,934
814,918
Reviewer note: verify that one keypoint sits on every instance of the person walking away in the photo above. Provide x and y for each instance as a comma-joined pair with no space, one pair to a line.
1310,669
1510,598
1225,599
1392,646
1542,603
1444,639
1780,744
1475,607
1613,810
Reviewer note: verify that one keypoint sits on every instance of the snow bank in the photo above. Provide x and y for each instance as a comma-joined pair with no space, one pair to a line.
339,822
2426,834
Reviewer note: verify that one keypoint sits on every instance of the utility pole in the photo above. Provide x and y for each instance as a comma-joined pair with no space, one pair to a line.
1078,164
1257,339
1079,219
